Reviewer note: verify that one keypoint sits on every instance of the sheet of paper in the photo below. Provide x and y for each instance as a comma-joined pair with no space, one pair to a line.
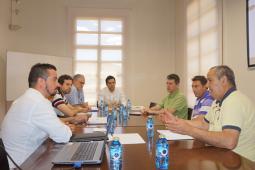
136,113
137,108
99,129
174,136
95,120
128,138
94,109
91,130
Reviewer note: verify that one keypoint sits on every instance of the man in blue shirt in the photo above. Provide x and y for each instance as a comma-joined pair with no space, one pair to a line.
76,96
204,99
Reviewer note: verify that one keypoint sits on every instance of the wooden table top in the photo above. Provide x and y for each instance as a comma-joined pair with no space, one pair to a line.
183,154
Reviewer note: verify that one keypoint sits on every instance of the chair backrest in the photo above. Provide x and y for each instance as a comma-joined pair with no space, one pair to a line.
152,104
3,157
189,113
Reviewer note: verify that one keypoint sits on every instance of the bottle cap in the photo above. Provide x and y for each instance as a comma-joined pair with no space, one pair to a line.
116,138
150,117
162,136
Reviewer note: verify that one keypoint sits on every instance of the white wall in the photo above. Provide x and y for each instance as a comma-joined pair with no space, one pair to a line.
150,39
234,45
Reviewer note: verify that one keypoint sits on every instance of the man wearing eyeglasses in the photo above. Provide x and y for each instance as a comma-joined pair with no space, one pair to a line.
76,96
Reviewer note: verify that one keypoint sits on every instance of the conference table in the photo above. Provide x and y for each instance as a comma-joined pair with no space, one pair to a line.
183,154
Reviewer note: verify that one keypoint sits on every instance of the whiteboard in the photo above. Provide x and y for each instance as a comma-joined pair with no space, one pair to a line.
19,64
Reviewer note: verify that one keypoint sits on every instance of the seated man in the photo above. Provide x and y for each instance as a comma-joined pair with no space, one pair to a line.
76,95
230,121
62,107
111,94
31,118
204,99
175,102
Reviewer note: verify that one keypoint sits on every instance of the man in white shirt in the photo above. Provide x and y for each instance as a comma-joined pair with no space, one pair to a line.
112,95
31,118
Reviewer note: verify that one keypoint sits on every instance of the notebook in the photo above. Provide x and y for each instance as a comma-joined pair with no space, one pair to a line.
81,152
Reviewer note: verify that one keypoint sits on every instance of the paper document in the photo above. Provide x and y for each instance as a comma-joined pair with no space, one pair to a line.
94,109
99,129
128,138
137,108
95,120
136,113
174,136
91,130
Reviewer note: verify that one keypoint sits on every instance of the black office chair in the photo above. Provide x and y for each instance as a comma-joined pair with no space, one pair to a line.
152,104
189,113
3,157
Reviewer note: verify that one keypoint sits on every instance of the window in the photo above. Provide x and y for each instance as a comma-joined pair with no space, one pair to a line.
98,53
203,39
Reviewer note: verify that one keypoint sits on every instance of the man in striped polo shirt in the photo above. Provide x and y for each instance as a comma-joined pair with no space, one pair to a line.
204,99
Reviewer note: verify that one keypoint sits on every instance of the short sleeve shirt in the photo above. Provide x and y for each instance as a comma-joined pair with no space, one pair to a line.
236,112
59,99
202,105
176,101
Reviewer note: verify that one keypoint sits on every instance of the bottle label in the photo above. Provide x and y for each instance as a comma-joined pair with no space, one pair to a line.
116,156
163,152
149,126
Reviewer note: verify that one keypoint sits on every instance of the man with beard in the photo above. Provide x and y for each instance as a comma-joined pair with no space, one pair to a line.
31,118
64,110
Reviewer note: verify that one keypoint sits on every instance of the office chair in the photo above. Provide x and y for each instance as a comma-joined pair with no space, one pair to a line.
3,157
4,165
190,110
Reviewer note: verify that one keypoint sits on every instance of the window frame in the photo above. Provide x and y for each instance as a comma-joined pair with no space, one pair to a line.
100,47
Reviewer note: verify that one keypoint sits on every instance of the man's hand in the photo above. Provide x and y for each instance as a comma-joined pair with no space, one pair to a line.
178,126
149,111
71,126
166,115
86,109
82,118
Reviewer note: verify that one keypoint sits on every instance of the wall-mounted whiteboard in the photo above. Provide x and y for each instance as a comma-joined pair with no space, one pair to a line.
18,67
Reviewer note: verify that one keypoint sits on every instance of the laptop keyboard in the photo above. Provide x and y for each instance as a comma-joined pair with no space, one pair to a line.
85,151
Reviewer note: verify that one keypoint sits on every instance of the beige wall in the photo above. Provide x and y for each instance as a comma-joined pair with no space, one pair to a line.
4,19
180,42
234,45
150,39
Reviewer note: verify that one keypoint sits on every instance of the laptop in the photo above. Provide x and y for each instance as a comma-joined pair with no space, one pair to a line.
93,136
86,137
81,152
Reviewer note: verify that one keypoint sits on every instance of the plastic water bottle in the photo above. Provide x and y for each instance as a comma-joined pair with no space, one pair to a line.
150,126
149,144
121,113
109,128
115,154
105,110
129,107
101,105
114,119
162,153
125,117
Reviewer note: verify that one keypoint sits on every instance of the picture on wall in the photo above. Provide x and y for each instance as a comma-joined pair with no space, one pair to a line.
250,12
